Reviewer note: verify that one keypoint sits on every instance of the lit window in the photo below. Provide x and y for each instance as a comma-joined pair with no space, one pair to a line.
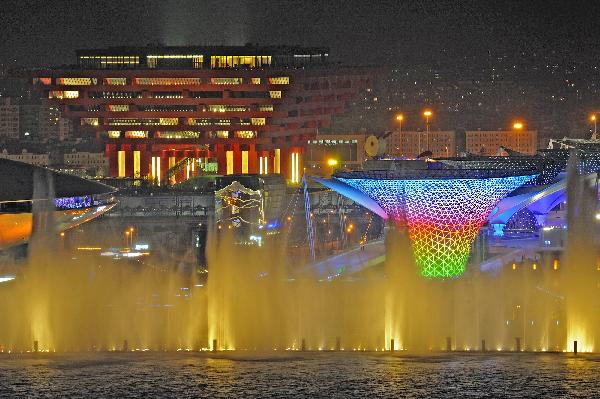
258,121
75,81
226,81
183,134
118,107
281,80
227,108
89,121
255,81
222,134
275,94
265,108
136,134
167,81
245,134
115,81
63,94
168,121
114,134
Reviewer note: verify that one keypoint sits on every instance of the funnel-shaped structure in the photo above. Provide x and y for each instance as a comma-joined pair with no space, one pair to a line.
443,209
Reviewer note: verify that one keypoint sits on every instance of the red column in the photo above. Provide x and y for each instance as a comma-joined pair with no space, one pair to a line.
252,159
110,152
221,158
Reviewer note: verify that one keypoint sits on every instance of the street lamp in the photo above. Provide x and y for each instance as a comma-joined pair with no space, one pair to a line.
127,238
593,119
427,114
518,125
400,118
332,162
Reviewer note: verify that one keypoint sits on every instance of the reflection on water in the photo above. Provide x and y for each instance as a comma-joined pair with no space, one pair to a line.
300,375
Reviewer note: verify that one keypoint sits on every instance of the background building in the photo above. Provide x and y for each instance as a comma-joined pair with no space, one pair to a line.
328,152
249,109
488,142
9,119
442,143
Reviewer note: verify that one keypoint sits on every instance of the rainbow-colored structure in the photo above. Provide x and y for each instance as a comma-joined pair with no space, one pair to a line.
443,209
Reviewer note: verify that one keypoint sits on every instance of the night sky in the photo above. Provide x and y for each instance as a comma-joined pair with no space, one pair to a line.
38,33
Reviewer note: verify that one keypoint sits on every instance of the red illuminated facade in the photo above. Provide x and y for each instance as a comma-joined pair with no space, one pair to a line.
228,109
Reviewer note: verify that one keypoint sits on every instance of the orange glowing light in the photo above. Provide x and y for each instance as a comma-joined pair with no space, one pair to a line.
427,113
593,118
332,162
400,117
518,125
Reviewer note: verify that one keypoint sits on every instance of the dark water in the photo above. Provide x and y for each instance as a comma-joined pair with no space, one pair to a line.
298,375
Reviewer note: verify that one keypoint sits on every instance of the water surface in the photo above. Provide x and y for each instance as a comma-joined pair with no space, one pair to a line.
299,375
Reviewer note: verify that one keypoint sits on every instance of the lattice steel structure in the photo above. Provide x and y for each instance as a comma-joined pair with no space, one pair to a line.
443,215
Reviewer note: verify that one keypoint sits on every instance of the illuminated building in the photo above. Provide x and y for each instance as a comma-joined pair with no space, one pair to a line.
75,200
442,207
242,109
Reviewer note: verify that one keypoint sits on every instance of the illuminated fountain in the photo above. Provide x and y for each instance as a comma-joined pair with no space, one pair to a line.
427,296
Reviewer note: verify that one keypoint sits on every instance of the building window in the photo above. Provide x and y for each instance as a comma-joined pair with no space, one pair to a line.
75,81
258,121
89,121
275,93
63,94
265,108
136,134
255,81
118,107
226,81
245,134
280,80
182,134
227,108
167,94
115,81
222,134
167,81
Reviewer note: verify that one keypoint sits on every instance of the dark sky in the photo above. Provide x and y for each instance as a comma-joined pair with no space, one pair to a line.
47,32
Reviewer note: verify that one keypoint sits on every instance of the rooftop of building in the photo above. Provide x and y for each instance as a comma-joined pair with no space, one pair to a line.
248,49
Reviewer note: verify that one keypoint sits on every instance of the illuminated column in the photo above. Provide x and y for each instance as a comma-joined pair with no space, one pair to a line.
277,161
295,166
121,163
172,162
136,164
158,174
229,158
244,162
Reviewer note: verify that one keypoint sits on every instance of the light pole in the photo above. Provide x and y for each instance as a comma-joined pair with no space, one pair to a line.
399,118
427,114
126,238
593,119
333,163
